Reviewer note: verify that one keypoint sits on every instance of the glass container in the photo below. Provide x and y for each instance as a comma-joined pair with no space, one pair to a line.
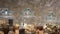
51,18
7,15
27,17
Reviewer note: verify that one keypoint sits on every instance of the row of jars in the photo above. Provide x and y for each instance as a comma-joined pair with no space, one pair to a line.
28,17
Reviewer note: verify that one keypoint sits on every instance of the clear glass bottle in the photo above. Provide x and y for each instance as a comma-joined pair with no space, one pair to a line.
50,21
26,19
27,16
7,15
51,17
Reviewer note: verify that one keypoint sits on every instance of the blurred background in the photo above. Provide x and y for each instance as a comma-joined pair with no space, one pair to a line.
33,12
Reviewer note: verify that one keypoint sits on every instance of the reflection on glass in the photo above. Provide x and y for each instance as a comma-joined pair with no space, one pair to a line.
6,13
27,13
27,17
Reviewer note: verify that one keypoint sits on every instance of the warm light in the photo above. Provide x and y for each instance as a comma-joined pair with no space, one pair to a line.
23,25
44,26
17,25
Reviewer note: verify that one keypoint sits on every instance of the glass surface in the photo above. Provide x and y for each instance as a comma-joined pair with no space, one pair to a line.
6,13
27,17
27,13
51,17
